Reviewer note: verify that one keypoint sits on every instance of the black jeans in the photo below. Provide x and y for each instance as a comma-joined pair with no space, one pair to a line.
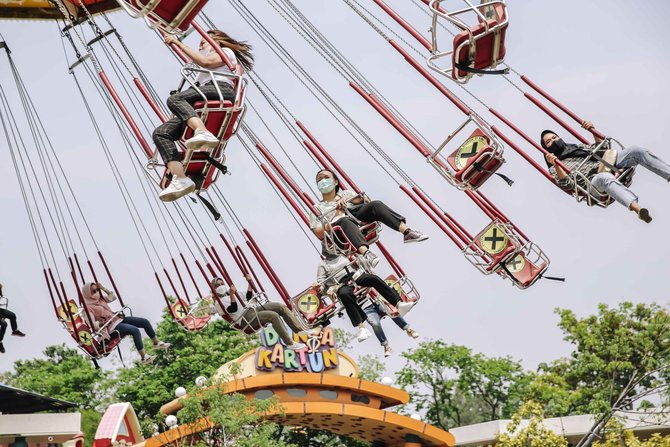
181,105
374,281
346,296
374,211
9,315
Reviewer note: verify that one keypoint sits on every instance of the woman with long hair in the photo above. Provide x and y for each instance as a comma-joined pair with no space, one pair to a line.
181,105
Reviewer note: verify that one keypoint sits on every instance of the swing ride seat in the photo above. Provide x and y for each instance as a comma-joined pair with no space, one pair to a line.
527,267
474,161
91,342
189,317
171,16
584,191
477,49
403,287
493,246
223,119
337,241
247,327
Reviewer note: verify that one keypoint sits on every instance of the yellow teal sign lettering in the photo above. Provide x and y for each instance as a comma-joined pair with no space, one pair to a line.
319,355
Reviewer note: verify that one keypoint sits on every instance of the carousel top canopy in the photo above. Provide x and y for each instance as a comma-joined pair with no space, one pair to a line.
46,10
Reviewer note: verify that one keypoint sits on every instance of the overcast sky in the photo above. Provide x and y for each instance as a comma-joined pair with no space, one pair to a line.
607,59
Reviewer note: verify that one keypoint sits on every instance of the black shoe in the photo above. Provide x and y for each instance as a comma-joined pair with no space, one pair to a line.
644,215
18,333
2,348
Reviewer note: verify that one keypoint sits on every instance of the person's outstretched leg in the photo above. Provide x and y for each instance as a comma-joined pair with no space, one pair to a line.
636,155
288,317
11,316
607,183
378,211
388,292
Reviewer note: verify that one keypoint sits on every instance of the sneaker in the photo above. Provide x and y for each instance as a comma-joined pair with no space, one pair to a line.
18,333
161,345
314,332
2,348
363,334
414,236
387,350
296,346
148,359
644,215
372,258
403,308
202,139
412,333
177,188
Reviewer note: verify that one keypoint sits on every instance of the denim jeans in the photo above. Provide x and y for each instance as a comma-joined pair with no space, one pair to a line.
629,157
374,313
131,326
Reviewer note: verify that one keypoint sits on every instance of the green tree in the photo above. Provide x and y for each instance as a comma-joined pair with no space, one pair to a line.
191,355
535,434
456,387
229,419
620,358
65,374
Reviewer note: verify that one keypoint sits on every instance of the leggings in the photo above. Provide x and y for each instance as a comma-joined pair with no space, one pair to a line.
9,315
374,211
131,326
181,105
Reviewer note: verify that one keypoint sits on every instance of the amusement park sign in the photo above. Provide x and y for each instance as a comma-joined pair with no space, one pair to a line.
319,354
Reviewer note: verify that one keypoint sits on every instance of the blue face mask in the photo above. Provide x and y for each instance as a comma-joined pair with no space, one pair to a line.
326,185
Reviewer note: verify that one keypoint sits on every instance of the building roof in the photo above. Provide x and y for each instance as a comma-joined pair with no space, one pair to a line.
16,401
572,428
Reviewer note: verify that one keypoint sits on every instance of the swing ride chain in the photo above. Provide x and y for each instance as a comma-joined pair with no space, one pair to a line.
73,21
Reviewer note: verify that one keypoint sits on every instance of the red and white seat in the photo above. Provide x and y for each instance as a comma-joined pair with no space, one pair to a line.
171,16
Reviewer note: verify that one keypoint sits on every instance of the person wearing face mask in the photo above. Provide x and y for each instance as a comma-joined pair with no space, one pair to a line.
254,315
96,298
335,201
336,278
572,155
181,105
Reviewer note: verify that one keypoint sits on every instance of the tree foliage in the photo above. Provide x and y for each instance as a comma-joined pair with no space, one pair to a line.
456,387
532,434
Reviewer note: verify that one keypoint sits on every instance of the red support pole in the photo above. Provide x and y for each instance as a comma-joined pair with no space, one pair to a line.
81,273
432,79
327,155
523,154
435,219
249,267
181,280
268,272
81,299
220,262
214,45
165,296
90,267
286,194
453,224
284,293
111,278
555,102
402,22
143,90
69,313
289,181
188,269
480,203
174,289
394,264
556,118
215,296
495,209
131,122
409,136
232,253
51,294
55,284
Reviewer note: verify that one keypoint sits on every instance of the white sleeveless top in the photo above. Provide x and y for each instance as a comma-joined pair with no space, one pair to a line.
204,78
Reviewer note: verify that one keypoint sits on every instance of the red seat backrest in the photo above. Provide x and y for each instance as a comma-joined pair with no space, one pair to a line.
485,46
214,119
168,10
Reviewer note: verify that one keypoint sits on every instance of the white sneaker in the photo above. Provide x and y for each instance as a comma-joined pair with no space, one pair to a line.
297,345
403,308
363,334
148,359
387,350
412,333
161,346
372,258
176,189
202,139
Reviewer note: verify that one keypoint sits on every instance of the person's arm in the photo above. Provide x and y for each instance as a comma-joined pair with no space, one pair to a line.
212,60
109,295
588,125
559,174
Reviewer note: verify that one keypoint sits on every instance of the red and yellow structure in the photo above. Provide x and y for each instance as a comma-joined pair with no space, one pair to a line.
334,399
